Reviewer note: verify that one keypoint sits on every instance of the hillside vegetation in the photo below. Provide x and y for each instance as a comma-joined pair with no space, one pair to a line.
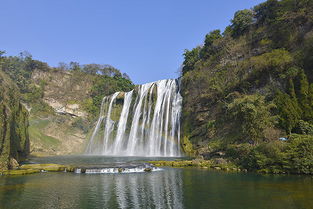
14,141
63,101
248,92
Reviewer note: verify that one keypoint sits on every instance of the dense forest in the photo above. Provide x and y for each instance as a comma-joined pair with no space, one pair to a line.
248,91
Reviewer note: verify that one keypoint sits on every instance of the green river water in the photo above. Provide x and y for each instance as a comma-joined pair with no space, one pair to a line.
167,188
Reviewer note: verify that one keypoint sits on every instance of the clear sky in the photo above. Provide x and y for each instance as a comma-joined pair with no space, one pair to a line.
144,38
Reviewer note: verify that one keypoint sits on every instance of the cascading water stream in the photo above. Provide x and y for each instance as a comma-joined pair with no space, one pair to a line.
142,122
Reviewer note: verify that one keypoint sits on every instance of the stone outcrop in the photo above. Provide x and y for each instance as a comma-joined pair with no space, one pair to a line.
14,139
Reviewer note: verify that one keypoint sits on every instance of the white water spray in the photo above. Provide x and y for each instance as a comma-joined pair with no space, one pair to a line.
146,122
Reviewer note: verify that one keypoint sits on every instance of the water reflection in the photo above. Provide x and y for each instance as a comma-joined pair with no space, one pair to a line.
154,190
160,189
169,188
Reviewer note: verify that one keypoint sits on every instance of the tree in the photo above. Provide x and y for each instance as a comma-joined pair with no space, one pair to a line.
191,58
288,110
208,48
252,116
300,154
2,53
1,58
74,66
267,11
291,90
241,22
63,66
302,87
311,95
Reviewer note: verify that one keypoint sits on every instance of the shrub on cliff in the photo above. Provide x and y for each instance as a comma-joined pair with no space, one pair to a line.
251,115
300,154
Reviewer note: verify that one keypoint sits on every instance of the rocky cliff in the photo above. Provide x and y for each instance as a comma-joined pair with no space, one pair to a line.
63,128
248,92
62,102
14,139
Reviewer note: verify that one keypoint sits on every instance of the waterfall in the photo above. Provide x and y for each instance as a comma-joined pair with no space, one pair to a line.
142,122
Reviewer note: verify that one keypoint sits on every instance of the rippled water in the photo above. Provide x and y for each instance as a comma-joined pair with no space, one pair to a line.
168,188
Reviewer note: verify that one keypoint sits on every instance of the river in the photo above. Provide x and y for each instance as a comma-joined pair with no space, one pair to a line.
165,188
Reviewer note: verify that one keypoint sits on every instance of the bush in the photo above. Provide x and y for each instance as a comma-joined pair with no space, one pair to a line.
251,115
288,111
209,48
270,157
304,127
300,154
191,58
241,22
81,124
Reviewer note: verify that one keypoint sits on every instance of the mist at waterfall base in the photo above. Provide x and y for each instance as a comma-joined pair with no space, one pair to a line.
142,122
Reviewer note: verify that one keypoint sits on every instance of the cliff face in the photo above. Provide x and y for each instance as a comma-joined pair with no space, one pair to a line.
249,90
62,102
64,91
63,127
14,139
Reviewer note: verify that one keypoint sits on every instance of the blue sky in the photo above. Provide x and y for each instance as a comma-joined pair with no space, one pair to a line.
144,38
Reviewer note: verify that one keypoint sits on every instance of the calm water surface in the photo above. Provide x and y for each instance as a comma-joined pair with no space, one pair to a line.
168,188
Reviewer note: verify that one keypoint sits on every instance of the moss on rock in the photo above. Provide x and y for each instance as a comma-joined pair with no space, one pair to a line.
187,146
19,172
45,167
14,139
196,163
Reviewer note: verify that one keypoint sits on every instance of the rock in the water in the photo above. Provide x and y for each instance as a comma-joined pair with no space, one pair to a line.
219,161
13,163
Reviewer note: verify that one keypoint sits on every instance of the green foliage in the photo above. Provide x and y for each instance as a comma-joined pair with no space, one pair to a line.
288,111
13,123
191,58
81,124
293,156
20,69
251,115
306,56
303,127
269,157
105,80
106,70
300,154
104,86
209,48
310,97
267,12
295,105
303,94
275,62
265,53
242,21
